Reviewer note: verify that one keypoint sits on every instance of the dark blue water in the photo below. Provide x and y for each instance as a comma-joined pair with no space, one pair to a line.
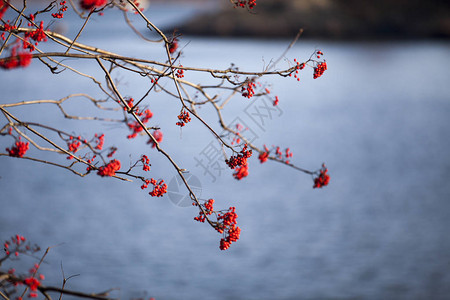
378,118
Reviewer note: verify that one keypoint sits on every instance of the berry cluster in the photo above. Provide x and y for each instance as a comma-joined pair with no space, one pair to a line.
145,163
240,129
38,34
135,126
158,135
159,188
146,116
240,163
19,149
173,46
263,156
33,284
100,140
283,156
136,2
112,151
240,159
17,245
184,118
227,226
322,179
130,104
73,144
7,27
90,161
17,241
180,72
299,66
320,69
248,90
109,169
3,7
21,59
60,13
280,155
92,4
207,207
241,172
250,4
275,102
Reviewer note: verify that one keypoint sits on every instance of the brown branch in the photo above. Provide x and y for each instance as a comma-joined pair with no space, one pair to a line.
174,164
100,296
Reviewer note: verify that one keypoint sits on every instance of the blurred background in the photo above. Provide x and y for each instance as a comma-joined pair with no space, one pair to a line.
326,19
378,118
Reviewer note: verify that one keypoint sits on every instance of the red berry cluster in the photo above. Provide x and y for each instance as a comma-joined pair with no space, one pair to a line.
159,188
135,126
245,3
248,90
226,222
236,138
180,72
145,163
227,226
130,104
283,156
320,69
207,207
38,34
158,135
100,140
16,240
173,46
288,154
184,118
33,284
299,66
3,7
31,17
111,152
60,13
109,169
240,159
241,172
146,115
21,59
90,161
136,2
275,102
73,144
17,245
19,149
91,4
263,156
322,179
7,27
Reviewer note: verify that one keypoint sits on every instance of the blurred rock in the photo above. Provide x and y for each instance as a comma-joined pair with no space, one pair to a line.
326,19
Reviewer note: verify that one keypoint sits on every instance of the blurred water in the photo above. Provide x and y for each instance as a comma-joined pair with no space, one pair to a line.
378,118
